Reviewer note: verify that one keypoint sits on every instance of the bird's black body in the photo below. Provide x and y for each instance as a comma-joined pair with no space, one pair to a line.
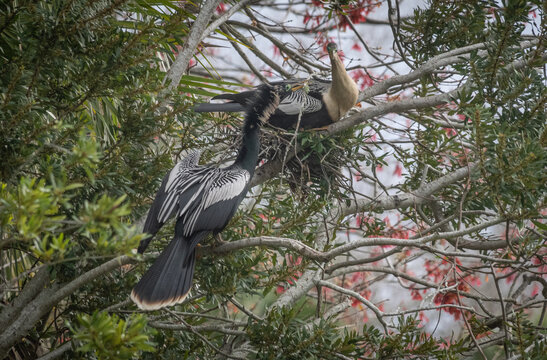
203,199
298,98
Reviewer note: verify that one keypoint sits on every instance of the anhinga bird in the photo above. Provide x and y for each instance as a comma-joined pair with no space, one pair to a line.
321,102
203,199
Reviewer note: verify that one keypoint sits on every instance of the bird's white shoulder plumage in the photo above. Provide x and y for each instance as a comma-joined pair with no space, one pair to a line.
179,180
228,185
218,185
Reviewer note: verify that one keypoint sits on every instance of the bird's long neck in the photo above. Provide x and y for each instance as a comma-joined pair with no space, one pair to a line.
262,108
343,93
250,146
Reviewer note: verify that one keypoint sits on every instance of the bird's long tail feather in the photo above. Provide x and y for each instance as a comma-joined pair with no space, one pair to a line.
169,279
220,107
237,102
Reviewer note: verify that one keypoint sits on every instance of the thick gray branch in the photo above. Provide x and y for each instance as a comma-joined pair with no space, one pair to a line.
420,196
310,253
29,292
54,354
197,34
48,298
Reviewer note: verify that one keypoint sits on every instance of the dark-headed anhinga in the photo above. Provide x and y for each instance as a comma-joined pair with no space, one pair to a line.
321,102
203,199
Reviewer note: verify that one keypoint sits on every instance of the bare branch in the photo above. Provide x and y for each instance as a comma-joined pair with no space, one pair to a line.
197,34
305,250
29,292
257,52
225,329
48,298
420,196
58,352
358,296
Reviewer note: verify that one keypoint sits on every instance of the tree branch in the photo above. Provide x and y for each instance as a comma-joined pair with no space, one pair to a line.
197,34
358,296
29,292
54,354
48,298
420,196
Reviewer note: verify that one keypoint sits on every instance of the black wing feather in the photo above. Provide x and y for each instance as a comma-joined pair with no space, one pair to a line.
217,216
189,193
152,225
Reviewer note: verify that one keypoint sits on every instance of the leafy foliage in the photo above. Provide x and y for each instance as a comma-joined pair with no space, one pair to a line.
79,144
109,337
282,330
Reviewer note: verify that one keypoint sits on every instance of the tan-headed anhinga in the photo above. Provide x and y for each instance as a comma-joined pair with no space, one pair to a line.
203,199
321,102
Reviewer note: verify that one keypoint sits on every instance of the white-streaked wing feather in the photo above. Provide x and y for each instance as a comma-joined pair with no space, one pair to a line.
178,181
220,185
173,177
180,185
182,166
167,207
229,185
212,185
184,210
299,101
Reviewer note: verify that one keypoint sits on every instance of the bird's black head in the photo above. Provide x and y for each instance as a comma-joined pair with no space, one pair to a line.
267,101
263,105
331,47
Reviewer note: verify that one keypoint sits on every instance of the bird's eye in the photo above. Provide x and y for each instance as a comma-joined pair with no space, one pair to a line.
288,87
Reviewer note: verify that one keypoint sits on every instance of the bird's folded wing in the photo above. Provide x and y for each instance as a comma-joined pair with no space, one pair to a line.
217,185
227,185
299,101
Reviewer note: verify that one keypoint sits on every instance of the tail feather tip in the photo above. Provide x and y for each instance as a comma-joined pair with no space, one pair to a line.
150,305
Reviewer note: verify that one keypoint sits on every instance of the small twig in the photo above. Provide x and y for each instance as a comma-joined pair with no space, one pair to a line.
203,338
395,32
504,315
348,20
358,296
249,63
468,326
247,312
258,53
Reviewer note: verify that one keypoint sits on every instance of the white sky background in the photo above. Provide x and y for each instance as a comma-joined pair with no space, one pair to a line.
228,63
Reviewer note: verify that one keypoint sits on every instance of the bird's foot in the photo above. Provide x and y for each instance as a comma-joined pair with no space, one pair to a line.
218,240
124,269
